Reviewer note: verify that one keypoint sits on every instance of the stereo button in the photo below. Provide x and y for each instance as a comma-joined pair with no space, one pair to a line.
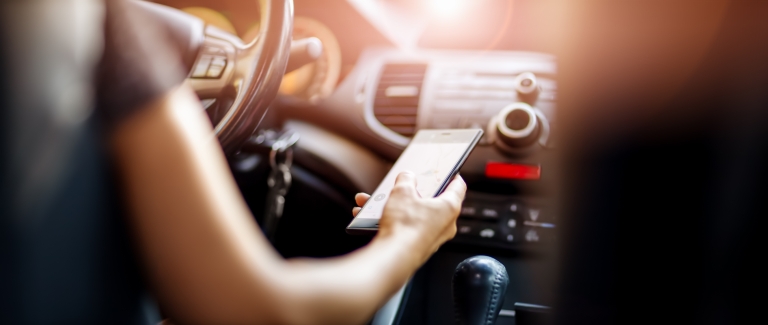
490,213
487,233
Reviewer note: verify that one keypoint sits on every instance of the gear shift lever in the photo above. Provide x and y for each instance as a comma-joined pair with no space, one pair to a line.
479,285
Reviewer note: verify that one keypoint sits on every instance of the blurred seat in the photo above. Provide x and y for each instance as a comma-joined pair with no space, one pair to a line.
665,106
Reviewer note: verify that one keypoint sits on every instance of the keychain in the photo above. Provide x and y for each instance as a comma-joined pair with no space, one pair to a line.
279,180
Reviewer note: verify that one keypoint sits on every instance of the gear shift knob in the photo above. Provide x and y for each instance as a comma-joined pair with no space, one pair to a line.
479,285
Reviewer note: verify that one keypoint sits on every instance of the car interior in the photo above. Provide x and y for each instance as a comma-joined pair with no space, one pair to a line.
313,101
362,77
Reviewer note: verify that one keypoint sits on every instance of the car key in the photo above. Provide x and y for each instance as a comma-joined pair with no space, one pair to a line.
279,181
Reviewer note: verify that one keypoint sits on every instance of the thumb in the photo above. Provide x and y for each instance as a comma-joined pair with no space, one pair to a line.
405,184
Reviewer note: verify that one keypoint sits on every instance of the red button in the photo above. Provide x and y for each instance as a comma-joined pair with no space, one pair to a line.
512,171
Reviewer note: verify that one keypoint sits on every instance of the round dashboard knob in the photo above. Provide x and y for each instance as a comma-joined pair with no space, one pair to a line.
517,125
527,87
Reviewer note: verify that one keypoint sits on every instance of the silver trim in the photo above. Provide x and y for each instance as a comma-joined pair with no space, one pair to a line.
207,102
506,313
386,315
538,224
517,134
522,304
545,130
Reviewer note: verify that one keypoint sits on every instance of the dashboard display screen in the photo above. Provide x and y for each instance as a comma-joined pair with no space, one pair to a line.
432,156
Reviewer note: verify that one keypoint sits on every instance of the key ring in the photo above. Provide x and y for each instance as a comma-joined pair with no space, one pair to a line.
281,145
287,178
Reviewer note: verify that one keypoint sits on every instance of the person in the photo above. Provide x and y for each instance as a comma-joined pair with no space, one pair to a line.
143,172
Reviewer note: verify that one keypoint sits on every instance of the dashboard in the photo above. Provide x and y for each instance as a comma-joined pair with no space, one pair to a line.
511,95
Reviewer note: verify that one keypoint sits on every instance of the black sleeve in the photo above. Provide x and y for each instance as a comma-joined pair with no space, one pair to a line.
139,63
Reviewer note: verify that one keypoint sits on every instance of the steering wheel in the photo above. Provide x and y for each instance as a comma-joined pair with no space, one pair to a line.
240,80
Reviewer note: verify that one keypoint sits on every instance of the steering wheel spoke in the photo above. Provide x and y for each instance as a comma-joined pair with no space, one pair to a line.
238,81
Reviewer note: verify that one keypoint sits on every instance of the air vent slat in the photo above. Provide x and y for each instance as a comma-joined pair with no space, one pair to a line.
395,111
382,92
396,103
383,86
415,78
404,68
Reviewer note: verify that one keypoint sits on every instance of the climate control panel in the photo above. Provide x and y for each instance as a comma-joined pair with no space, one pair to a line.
505,221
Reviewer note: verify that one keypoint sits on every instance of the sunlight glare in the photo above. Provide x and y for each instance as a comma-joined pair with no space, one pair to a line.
447,8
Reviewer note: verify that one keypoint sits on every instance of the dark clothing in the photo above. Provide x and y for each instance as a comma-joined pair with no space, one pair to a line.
70,71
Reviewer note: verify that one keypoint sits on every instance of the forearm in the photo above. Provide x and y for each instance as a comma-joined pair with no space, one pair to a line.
349,289
205,256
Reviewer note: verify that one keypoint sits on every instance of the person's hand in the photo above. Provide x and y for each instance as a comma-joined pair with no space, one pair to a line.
360,199
426,223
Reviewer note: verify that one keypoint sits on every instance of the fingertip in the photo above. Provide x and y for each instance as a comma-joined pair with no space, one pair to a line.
407,174
361,198
355,211
405,183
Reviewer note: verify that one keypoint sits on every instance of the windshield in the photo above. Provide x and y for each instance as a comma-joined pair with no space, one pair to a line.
520,25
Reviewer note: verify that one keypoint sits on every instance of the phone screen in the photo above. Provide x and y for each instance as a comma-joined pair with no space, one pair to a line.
432,155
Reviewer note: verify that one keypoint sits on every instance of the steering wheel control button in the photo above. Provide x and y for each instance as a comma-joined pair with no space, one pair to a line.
379,197
214,50
218,64
209,66
219,61
214,71
201,68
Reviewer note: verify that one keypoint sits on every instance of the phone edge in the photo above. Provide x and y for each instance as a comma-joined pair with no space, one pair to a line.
454,172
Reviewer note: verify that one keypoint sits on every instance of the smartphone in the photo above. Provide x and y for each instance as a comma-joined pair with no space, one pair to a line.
435,156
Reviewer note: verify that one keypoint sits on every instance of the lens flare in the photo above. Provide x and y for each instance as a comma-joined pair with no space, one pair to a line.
447,8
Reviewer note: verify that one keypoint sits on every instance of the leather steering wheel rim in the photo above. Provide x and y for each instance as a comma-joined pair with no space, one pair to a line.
258,70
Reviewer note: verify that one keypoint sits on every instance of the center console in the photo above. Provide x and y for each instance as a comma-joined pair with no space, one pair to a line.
507,213
511,95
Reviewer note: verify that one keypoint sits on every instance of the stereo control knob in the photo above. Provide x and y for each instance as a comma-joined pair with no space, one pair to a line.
517,125
527,87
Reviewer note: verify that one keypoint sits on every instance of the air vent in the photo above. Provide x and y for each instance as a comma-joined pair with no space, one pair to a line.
397,96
